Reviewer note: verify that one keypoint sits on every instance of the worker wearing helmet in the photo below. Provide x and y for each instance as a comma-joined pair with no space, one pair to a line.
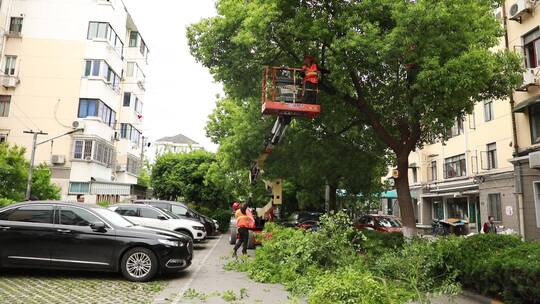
235,206
311,79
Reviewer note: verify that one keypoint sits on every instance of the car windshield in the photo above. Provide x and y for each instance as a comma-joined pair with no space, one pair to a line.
113,217
172,215
389,223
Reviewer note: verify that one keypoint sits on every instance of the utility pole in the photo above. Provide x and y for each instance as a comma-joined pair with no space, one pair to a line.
32,157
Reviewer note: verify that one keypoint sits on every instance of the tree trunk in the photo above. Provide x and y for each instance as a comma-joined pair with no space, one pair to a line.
332,197
404,197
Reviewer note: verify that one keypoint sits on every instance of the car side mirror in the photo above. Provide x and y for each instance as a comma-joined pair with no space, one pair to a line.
98,226
162,217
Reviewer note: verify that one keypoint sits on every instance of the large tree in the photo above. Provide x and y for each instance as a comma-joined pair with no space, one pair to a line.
408,68
183,176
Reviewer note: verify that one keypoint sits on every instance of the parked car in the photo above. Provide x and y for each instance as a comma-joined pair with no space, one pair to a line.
58,235
381,223
150,216
303,219
183,211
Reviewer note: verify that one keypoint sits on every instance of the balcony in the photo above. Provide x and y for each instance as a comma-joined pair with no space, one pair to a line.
9,82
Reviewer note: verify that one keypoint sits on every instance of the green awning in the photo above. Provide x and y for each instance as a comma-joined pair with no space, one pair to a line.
524,105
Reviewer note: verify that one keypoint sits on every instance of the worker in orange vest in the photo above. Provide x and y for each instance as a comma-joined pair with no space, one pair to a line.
244,222
311,79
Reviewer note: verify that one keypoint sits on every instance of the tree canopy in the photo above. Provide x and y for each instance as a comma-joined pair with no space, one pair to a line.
403,70
184,177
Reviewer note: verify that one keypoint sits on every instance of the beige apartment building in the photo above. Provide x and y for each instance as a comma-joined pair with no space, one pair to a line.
490,165
67,64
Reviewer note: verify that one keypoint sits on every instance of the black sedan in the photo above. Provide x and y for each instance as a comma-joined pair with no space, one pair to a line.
61,235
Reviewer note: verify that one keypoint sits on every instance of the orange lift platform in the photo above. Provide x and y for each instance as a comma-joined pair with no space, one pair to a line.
284,93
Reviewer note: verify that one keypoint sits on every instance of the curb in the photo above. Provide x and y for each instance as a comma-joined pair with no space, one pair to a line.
479,298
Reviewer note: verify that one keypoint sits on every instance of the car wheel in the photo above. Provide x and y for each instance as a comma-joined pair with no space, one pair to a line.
251,240
139,264
232,237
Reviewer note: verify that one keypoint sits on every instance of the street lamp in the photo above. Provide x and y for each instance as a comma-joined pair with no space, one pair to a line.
77,127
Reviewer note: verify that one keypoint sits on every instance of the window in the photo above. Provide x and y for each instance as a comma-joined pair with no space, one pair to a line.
10,63
104,31
433,170
531,46
438,210
3,138
488,110
133,38
97,108
455,166
537,202
494,206
127,99
534,114
5,103
15,25
138,105
149,213
127,211
133,165
491,156
72,216
130,69
29,214
457,208
179,210
93,150
127,131
79,188
100,68
457,128
414,174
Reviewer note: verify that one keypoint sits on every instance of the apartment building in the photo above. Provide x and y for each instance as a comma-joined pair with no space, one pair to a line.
80,64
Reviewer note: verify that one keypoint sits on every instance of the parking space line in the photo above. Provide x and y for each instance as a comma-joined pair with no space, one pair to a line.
194,275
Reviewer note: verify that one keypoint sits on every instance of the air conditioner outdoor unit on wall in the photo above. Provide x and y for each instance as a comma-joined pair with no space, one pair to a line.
58,159
518,9
534,160
120,168
9,81
529,79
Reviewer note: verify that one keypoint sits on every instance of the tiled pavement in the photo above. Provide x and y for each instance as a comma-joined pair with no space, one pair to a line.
44,287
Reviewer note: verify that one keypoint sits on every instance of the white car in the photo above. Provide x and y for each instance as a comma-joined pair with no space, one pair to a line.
149,216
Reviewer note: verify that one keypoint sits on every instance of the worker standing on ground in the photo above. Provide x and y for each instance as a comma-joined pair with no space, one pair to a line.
311,79
244,222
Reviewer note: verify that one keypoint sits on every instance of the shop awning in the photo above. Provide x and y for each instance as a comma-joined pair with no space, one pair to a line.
524,105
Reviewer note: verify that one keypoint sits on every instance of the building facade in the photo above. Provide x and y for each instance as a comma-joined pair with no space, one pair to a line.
175,144
81,64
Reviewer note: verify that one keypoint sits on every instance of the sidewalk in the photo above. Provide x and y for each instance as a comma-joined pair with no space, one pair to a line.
207,282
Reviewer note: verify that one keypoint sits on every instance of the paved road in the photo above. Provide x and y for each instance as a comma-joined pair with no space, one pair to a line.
207,282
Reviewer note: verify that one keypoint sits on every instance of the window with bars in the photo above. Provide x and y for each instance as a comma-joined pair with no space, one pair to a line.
455,166
87,149
5,104
133,165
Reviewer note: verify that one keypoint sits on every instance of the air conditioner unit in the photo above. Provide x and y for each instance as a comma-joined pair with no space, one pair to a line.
58,159
10,81
120,168
78,125
518,9
88,158
529,79
534,160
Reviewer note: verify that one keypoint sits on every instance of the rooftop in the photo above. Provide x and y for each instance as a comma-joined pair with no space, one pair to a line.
178,139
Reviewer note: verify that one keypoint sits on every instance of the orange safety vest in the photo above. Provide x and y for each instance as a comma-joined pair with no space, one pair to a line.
311,73
244,220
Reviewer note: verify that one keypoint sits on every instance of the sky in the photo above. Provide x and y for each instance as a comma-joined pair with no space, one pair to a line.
180,93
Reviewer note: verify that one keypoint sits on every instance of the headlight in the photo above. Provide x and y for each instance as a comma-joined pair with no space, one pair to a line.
171,243
198,228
